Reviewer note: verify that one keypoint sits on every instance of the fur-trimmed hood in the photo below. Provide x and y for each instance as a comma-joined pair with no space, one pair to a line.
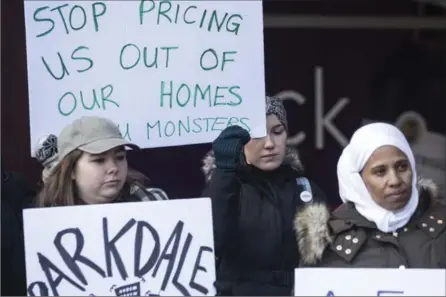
312,231
291,158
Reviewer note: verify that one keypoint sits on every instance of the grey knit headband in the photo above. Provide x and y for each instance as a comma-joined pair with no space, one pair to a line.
275,106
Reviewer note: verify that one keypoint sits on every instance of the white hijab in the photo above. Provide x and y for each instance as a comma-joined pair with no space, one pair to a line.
351,186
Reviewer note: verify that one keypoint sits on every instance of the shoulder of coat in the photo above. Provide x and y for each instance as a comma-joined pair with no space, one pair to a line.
433,222
348,244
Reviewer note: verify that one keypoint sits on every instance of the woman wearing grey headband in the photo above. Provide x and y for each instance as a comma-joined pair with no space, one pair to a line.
256,187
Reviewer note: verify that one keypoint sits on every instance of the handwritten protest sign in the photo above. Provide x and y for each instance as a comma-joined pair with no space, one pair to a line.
369,282
168,72
161,248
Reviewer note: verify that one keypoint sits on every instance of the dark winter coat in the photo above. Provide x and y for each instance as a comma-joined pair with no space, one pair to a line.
17,194
346,239
253,214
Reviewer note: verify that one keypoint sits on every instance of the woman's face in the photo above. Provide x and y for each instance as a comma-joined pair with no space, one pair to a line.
267,153
388,177
100,178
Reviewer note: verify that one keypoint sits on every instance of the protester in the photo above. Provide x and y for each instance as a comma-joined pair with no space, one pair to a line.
17,194
389,218
256,185
92,168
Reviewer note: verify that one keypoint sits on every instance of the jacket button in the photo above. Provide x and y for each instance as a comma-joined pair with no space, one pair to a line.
432,217
339,247
348,237
405,229
440,222
348,251
395,234
424,225
378,236
355,240
431,229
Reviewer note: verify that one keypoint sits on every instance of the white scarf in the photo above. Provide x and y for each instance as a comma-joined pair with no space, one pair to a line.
351,186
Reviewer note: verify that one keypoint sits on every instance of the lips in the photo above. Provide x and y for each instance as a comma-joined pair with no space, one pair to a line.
396,195
269,156
112,182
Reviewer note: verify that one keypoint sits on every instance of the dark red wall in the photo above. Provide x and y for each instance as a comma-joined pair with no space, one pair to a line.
357,64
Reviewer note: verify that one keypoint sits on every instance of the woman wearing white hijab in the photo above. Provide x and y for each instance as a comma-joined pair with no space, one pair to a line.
389,218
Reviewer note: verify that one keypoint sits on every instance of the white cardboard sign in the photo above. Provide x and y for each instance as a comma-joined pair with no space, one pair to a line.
369,282
167,72
159,248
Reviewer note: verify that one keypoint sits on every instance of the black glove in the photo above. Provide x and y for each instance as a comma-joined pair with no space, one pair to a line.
228,147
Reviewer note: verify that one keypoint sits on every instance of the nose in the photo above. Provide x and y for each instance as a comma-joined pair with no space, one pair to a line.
269,143
112,166
394,179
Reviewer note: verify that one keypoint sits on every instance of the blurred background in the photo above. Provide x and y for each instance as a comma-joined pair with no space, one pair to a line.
336,64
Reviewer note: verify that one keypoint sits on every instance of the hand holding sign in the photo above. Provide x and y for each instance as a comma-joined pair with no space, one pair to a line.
228,147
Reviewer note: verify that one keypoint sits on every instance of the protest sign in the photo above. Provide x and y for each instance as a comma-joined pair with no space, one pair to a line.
160,248
369,282
167,72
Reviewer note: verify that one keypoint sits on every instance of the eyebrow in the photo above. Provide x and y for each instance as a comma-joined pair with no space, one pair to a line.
397,162
277,126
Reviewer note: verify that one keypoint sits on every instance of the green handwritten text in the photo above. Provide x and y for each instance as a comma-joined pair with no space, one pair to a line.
130,56
179,13
214,61
75,56
68,103
75,19
184,95
161,129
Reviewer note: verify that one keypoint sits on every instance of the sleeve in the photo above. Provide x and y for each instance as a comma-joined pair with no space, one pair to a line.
224,190
157,194
13,255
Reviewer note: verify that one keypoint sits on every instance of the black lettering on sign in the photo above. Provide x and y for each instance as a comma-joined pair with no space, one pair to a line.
43,289
198,267
146,264
69,260
175,280
174,240
47,266
141,271
111,250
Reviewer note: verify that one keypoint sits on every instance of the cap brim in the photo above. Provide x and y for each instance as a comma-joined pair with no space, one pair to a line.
103,145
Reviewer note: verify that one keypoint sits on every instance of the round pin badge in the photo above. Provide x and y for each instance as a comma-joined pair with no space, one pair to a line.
306,196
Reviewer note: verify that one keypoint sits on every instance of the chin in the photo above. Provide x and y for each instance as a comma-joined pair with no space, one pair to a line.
109,196
397,205
270,166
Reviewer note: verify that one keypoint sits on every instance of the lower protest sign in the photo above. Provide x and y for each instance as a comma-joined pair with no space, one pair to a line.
369,282
122,249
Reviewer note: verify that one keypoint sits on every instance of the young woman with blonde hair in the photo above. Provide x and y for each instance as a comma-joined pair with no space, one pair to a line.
92,168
